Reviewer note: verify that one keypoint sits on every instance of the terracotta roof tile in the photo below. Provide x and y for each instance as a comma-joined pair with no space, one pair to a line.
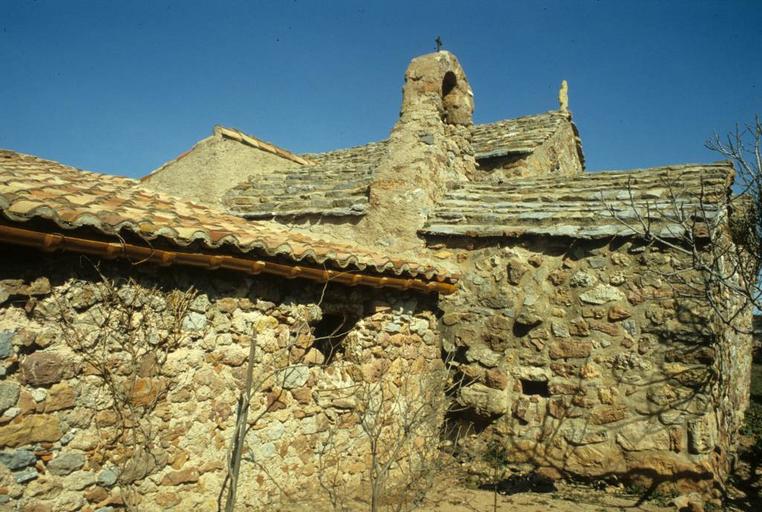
31,187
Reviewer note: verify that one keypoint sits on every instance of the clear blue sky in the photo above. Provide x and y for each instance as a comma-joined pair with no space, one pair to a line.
121,87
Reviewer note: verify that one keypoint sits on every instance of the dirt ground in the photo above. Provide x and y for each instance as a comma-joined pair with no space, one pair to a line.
453,496
564,499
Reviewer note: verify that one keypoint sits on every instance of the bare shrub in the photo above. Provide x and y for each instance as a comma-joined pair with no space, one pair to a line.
399,419
124,339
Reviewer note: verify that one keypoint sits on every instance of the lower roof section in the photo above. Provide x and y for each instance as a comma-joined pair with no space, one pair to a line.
71,202
594,205
141,254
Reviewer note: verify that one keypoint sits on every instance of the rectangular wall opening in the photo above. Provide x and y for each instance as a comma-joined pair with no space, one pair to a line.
535,387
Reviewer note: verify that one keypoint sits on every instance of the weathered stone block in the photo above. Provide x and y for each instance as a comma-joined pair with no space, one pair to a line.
579,327
17,459
618,313
293,377
594,459
141,463
702,434
496,378
313,356
589,371
167,500
643,435
605,414
602,294
582,434
107,477
531,373
593,312
564,369
570,349
484,400
79,480
60,396
66,463
145,391
516,270
96,494
46,368
451,318
25,475
194,321
6,347
30,429
559,329
559,407
529,316
689,376
557,277
483,355
473,371
564,388
9,395
496,298
183,476
605,328
582,279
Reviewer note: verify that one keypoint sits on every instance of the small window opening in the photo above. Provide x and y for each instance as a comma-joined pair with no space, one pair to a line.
463,422
448,83
535,387
521,330
330,333
449,97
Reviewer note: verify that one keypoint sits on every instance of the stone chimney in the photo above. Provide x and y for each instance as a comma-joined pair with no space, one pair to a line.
429,147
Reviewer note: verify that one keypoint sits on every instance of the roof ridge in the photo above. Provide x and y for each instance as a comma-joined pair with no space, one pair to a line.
348,148
250,140
475,125
526,116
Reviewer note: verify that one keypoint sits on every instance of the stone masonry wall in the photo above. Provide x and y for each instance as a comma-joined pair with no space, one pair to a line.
588,359
99,419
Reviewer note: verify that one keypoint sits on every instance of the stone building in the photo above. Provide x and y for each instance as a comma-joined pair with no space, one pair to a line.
568,336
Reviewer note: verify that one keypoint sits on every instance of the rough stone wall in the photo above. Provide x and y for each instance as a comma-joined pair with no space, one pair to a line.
557,156
734,364
588,359
211,168
143,415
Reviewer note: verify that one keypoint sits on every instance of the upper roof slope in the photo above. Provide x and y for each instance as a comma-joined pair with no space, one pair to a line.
338,182
34,188
588,206
519,135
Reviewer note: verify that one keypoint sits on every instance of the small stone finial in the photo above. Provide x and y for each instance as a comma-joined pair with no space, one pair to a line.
438,41
563,97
